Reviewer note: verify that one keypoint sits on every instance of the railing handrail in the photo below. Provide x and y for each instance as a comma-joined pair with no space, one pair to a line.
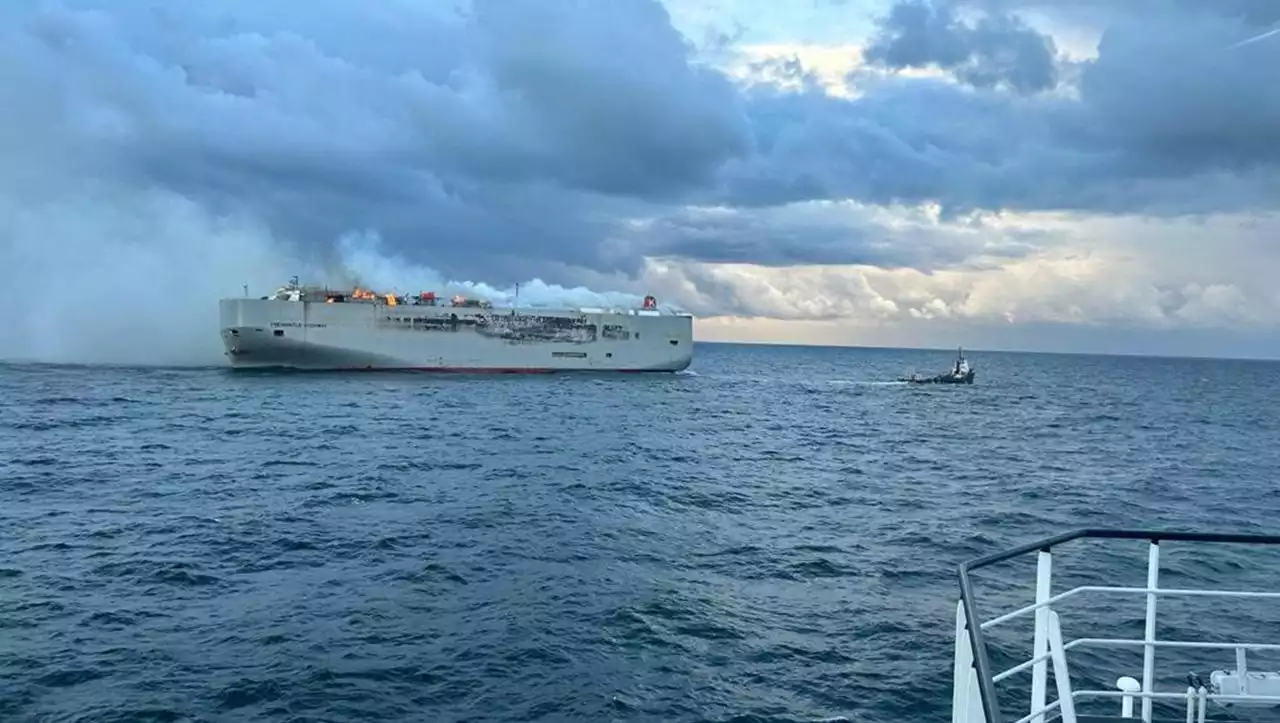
977,640
1027,664
1157,591
1116,534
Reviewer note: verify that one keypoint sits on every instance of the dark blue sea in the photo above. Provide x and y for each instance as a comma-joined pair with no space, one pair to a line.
770,538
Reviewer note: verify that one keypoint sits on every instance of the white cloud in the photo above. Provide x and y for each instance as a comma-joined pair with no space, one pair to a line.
829,65
1102,272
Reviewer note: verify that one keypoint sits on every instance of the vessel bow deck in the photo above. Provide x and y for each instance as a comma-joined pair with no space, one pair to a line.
975,698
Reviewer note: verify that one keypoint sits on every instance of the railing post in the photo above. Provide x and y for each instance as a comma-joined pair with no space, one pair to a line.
1061,673
1149,636
966,699
1242,669
962,661
1040,671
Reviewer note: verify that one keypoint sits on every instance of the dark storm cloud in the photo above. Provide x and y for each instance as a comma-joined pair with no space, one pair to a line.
995,50
828,234
898,143
515,133
1254,12
1168,119
529,121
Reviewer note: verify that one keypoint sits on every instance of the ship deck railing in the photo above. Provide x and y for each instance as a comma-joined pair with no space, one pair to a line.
380,300
974,693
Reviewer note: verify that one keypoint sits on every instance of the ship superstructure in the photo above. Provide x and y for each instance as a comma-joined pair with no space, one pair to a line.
309,327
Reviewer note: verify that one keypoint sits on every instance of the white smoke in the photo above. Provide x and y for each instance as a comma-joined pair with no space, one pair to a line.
364,262
122,277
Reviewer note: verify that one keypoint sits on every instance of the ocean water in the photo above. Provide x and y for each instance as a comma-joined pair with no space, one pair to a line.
770,538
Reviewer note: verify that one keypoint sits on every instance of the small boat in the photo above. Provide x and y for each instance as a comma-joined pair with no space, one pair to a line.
982,691
961,373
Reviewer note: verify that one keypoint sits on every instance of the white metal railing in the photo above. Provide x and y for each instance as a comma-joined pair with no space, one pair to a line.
973,699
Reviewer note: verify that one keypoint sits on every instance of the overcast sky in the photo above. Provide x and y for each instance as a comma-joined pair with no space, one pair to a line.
1086,175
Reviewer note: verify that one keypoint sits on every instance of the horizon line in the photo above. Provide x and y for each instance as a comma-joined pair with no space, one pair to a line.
873,347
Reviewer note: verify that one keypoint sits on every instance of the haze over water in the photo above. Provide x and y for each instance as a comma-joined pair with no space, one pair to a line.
772,537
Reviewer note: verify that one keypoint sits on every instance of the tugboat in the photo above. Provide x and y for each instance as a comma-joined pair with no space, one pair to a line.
961,373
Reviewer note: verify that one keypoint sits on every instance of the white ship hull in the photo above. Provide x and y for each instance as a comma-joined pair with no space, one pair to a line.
313,335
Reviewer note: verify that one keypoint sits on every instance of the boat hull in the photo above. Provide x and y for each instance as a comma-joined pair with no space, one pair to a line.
305,335
942,379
